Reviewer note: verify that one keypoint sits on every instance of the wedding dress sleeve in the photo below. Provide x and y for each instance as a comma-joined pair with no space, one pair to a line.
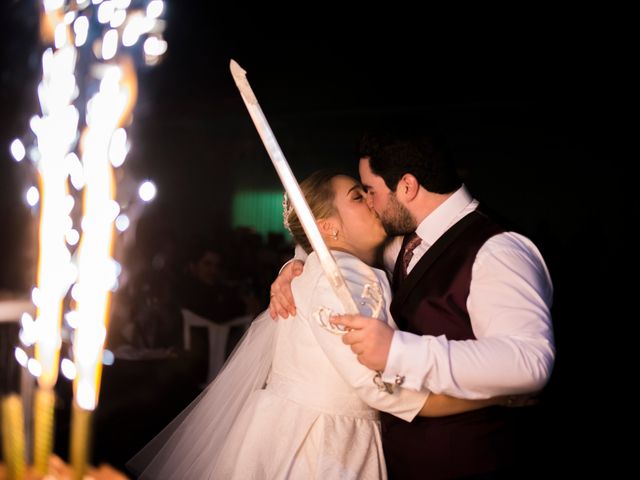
368,290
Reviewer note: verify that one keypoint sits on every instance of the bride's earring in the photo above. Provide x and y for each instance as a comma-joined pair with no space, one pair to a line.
335,235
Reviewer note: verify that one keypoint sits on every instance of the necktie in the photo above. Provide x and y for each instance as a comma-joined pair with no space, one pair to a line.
411,242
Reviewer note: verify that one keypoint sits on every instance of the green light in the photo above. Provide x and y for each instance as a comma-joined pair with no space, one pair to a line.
261,210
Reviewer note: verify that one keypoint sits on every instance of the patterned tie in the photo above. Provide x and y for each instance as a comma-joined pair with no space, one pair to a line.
411,242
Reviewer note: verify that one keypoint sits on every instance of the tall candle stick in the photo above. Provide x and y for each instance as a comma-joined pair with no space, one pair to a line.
293,189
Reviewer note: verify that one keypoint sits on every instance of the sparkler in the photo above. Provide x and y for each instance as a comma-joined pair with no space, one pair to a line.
55,131
66,27
97,272
290,184
107,111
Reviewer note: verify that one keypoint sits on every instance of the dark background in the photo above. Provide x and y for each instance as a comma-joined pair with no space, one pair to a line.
530,100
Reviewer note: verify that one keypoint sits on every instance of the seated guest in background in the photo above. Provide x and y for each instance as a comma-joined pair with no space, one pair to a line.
204,289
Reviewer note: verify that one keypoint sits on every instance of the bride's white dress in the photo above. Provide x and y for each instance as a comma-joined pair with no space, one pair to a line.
316,417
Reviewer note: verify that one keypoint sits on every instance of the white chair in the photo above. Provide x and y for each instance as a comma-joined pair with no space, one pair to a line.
218,335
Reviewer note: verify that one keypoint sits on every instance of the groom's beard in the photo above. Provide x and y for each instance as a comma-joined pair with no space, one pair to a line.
396,218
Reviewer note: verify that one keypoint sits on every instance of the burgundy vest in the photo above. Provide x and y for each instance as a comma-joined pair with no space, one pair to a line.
432,300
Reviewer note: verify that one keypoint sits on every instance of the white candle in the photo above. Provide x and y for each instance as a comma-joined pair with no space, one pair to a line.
293,189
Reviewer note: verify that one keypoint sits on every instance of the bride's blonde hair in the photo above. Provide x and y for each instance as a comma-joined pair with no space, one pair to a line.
319,193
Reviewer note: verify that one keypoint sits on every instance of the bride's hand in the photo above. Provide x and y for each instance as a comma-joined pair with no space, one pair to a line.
281,302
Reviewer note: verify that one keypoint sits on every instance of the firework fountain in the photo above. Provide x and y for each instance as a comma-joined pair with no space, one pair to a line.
86,95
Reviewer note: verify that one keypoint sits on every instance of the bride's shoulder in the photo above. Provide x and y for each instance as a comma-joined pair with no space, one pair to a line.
352,268
348,260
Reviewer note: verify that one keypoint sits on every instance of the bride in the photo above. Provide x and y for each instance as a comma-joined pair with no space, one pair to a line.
293,401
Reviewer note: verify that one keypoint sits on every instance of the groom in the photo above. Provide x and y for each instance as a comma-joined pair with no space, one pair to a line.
472,302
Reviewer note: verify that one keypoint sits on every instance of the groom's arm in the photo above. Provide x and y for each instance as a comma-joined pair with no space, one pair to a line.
513,351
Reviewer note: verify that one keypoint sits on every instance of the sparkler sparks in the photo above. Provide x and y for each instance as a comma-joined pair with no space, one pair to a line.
95,42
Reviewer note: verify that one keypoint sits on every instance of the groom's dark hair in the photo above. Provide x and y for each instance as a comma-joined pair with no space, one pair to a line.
425,156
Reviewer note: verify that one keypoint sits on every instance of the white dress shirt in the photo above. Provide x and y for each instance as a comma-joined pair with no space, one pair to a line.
509,307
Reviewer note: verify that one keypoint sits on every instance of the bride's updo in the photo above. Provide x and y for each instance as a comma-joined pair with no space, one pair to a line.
318,191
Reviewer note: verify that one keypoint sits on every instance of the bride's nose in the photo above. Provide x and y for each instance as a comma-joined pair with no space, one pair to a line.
369,201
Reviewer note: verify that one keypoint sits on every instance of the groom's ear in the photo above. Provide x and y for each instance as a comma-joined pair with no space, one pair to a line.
408,187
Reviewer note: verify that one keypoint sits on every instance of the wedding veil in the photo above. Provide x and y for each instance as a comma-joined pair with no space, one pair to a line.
190,446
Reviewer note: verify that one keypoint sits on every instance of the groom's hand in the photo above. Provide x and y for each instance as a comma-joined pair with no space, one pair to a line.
281,301
370,339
